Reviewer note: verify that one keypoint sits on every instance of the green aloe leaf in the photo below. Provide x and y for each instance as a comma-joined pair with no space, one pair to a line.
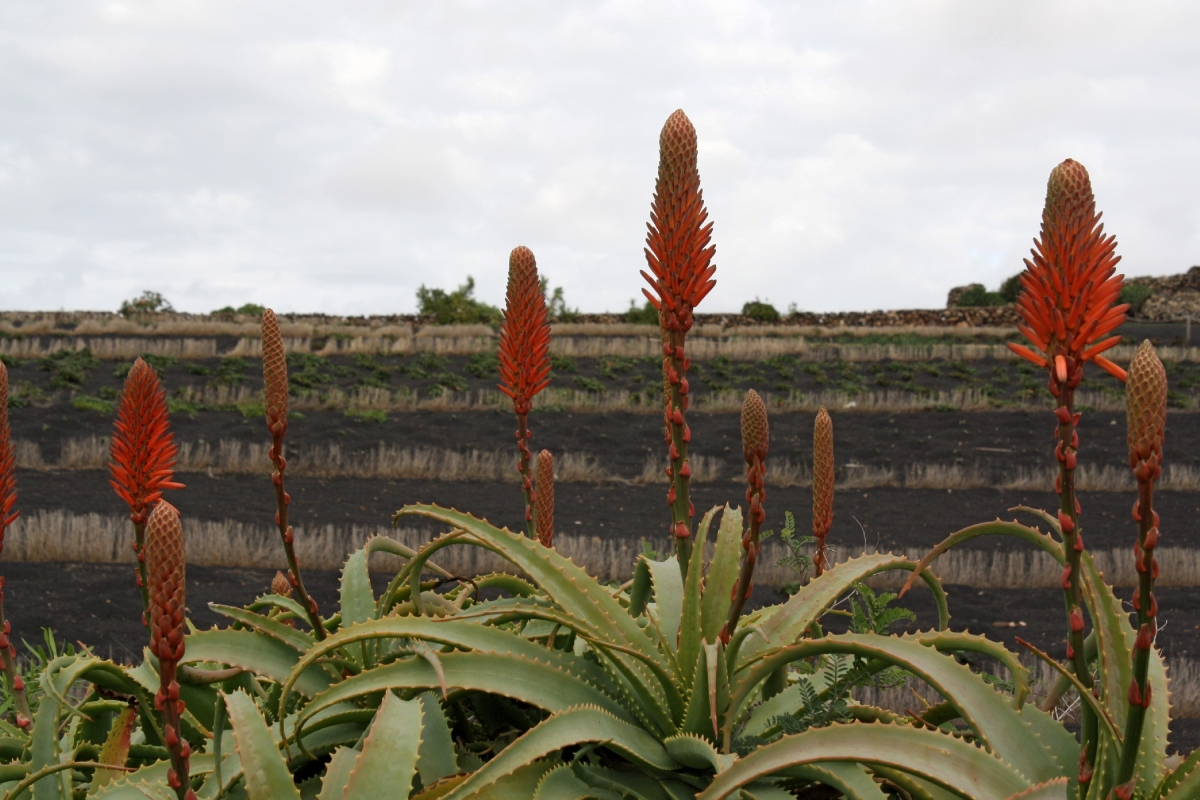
293,637
668,598
437,759
722,573
357,596
265,772
574,726
519,785
853,780
937,757
388,760
535,682
561,783
1183,783
1050,790
255,653
691,633
986,710
337,773
994,528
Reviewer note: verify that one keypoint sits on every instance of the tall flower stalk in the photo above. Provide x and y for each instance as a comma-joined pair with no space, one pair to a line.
165,567
1067,304
822,487
679,254
1146,416
524,355
755,441
544,505
8,515
275,402
142,456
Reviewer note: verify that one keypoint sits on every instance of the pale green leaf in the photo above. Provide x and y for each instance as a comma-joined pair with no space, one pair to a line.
265,772
388,760
337,773
668,598
722,573
436,759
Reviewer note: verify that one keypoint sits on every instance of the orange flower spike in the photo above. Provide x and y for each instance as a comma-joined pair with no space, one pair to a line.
165,567
524,355
822,486
8,462
755,441
679,254
544,505
143,449
1069,288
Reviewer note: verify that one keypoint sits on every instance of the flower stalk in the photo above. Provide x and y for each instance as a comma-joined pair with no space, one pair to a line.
165,568
1068,307
755,441
275,402
544,505
142,456
524,355
1146,416
822,487
8,515
679,254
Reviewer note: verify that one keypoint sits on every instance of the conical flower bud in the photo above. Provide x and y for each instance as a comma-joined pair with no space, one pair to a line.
822,484
1146,412
755,438
275,377
524,350
142,449
280,585
544,505
165,572
678,250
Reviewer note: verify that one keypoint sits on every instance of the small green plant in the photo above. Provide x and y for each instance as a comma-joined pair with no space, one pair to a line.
69,367
759,311
195,368
367,414
455,383
159,362
589,384
483,365
458,307
230,372
430,362
176,405
87,402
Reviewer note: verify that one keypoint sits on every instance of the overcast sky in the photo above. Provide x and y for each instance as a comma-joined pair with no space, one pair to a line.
335,156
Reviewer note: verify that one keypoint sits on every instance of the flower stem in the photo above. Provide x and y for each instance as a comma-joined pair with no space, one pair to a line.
282,499
1147,611
1065,452
678,437
8,655
523,435
139,549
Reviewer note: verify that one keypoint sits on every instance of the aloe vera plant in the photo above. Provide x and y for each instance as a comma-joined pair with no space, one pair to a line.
542,682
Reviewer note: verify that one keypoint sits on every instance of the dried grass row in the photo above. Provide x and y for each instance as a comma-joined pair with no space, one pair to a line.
63,536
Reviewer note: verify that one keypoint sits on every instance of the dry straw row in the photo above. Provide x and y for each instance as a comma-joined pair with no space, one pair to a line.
229,456
64,536
480,340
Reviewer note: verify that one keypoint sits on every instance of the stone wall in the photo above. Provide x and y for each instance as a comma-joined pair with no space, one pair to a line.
1173,296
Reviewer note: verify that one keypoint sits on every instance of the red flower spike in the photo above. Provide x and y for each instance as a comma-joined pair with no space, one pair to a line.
8,461
524,351
1069,288
678,249
142,450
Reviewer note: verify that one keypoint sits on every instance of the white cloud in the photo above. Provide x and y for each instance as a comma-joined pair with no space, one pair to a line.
854,155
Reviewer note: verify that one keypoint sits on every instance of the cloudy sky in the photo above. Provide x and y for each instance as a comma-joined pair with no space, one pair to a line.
335,156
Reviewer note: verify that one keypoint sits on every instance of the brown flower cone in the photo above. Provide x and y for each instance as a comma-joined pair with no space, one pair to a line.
822,485
1146,411
165,567
275,377
544,506
755,441
280,585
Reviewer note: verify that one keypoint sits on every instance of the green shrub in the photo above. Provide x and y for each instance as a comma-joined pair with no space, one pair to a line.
69,367
976,295
646,315
231,372
159,362
86,402
455,308
148,304
1010,290
589,384
484,365
178,406
760,311
367,414
564,363
454,383
1136,295
430,362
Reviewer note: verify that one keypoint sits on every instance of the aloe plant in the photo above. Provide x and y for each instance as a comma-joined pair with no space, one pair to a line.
542,682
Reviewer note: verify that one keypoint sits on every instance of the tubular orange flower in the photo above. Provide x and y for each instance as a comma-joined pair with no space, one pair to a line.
545,498
142,455
1069,290
165,566
755,441
524,355
822,486
679,253
143,449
